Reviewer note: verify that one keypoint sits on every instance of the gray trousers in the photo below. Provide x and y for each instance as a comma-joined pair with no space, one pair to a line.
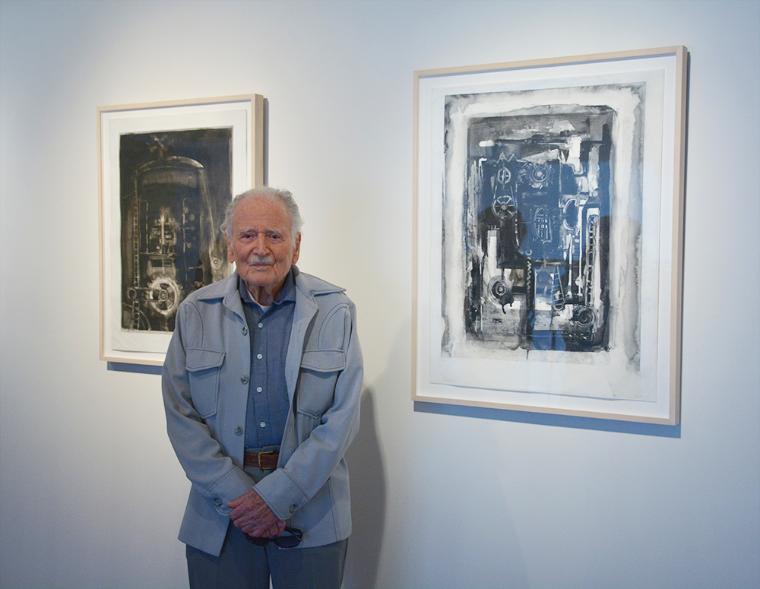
245,565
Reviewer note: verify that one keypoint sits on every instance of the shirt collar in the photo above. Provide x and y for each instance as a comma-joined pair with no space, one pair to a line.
287,293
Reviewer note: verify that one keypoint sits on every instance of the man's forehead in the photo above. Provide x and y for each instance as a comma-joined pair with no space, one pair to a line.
261,211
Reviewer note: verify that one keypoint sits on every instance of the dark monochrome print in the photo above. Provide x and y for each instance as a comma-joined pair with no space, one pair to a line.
537,207
174,188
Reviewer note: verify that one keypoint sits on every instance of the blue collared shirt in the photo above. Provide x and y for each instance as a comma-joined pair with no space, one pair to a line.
269,333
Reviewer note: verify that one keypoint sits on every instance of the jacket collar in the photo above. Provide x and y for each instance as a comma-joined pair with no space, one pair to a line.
307,288
310,286
227,290
221,289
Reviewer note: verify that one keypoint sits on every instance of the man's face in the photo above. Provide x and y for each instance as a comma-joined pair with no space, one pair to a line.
262,245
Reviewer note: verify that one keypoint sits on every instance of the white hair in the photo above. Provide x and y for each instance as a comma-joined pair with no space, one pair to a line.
274,194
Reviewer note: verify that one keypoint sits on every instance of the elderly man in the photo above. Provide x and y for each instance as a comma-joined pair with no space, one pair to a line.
261,387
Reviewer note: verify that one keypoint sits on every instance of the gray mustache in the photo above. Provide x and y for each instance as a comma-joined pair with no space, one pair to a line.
254,260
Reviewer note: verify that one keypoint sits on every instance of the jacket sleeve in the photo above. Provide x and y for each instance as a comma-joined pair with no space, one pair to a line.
291,486
202,457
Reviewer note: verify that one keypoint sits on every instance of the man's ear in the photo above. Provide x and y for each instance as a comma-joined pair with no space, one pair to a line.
297,249
230,253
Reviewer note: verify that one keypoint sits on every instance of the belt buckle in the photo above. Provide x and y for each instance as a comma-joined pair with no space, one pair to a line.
260,454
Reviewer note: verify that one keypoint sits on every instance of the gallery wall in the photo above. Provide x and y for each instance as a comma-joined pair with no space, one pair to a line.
443,497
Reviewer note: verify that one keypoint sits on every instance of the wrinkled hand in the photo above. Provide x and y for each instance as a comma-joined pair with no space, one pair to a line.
253,516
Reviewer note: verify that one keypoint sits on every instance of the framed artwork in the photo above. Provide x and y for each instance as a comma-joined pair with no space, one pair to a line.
167,172
549,206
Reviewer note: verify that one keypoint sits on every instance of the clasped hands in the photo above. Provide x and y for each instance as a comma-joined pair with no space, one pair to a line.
253,516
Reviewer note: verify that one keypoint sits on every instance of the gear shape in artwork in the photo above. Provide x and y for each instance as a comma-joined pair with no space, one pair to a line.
164,295
504,206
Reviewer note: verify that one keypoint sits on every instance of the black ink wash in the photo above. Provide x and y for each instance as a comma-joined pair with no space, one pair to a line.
174,188
536,229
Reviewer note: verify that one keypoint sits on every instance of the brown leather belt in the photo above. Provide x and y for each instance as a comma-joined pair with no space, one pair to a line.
264,460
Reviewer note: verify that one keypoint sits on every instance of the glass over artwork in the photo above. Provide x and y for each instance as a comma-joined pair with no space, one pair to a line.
174,187
537,218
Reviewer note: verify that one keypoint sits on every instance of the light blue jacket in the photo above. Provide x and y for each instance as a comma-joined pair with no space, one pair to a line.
205,390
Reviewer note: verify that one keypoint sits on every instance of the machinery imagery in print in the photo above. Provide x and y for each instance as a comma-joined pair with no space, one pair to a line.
537,230
169,247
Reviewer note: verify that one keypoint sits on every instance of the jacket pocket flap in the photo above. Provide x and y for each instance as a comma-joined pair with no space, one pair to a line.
324,360
203,359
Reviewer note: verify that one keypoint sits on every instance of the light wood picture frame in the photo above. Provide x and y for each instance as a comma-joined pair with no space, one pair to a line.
548,235
166,173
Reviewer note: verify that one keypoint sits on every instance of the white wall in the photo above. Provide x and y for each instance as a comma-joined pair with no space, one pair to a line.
91,495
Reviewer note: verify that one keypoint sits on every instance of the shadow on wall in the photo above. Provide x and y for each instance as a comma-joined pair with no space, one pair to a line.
549,419
134,368
368,500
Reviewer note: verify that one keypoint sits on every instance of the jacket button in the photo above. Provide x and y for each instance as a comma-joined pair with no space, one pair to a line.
244,379
245,331
238,431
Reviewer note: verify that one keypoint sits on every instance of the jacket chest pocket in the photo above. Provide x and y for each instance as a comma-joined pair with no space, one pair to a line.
316,385
203,368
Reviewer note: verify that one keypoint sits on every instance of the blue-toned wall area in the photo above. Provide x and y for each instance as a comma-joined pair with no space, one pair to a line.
90,492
